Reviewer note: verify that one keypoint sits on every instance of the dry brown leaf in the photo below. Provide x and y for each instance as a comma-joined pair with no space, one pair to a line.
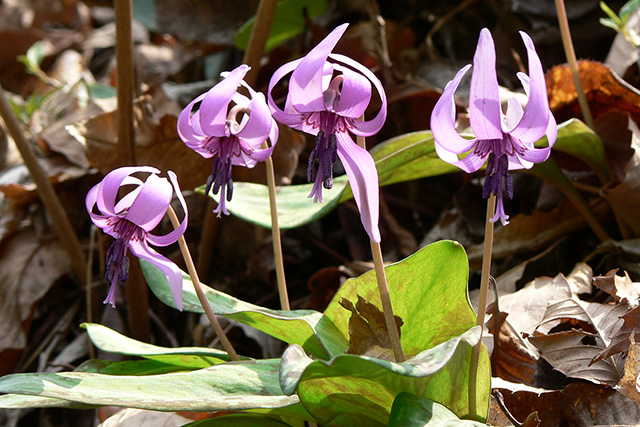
629,384
621,288
620,339
605,91
157,141
368,331
571,352
624,196
28,267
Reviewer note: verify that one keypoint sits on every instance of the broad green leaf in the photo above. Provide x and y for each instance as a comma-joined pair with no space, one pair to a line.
129,367
302,327
412,411
240,420
289,20
349,386
228,386
578,140
191,357
428,291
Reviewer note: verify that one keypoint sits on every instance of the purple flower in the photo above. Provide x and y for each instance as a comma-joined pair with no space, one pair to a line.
327,94
130,220
214,130
507,140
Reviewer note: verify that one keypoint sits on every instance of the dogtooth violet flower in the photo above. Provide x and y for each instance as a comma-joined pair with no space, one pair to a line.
506,139
213,129
327,94
130,220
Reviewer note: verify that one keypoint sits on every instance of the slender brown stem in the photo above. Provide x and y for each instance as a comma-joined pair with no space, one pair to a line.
125,82
50,199
201,296
573,64
482,303
383,287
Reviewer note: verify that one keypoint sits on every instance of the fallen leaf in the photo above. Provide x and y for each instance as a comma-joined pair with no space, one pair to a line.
29,265
621,288
629,384
368,334
604,89
571,352
620,339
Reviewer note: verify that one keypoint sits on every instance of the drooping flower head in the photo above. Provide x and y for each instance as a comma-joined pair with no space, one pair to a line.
327,94
130,220
214,129
507,140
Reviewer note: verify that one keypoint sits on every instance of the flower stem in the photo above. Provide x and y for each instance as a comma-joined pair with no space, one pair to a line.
383,287
275,234
201,296
573,64
387,308
482,303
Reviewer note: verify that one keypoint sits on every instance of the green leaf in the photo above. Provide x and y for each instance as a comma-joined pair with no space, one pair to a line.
412,411
188,357
428,290
578,140
290,19
228,386
303,327
350,386
21,401
100,91
129,367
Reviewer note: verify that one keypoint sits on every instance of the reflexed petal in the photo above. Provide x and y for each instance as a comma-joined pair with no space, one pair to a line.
173,273
363,178
443,119
513,114
484,97
535,120
255,154
173,236
110,185
354,95
99,220
187,129
368,127
149,207
213,109
471,162
305,86
289,116
256,129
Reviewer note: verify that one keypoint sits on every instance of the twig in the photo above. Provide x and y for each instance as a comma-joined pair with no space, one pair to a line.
45,189
571,59
482,303
201,296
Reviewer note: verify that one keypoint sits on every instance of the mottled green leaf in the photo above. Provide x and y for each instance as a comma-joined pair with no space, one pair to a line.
412,411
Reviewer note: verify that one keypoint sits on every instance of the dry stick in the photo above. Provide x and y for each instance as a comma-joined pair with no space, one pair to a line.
48,195
482,303
201,296
571,59
383,288
136,288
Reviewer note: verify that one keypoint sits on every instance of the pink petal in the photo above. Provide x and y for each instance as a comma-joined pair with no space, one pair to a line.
173,273
305,87
110,185
213,109
354,95
288,116
443,119
188,124
99,220
152,202
257,128
363,178
174,235
535,120
369,127
484,97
